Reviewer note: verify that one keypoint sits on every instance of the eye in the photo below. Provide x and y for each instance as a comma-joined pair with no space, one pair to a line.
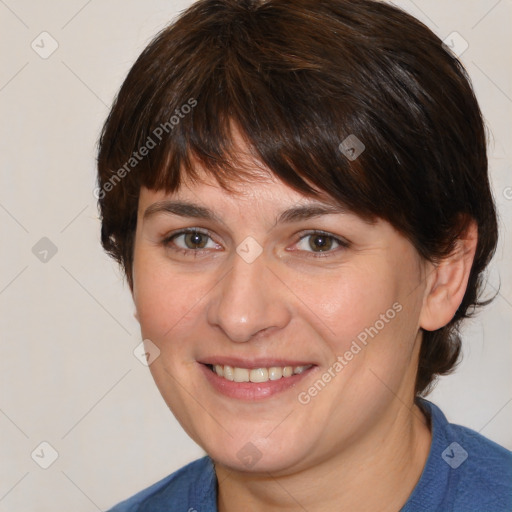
320,242
190,241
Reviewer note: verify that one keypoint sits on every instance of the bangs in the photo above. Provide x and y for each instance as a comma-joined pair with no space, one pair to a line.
240,128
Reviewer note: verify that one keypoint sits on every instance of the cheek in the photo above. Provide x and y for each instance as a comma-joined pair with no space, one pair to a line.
162,307
161,298
170,302
369,317
349,301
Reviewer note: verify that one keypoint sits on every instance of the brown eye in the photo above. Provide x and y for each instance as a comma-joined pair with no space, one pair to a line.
317,242
320,242
195,240
190,240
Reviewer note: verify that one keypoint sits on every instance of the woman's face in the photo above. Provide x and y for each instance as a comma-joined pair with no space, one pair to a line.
274,279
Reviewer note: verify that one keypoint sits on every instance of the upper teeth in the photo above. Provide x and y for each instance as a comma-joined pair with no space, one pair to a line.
236,374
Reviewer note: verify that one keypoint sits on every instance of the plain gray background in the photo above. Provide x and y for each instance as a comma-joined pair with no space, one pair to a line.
69,377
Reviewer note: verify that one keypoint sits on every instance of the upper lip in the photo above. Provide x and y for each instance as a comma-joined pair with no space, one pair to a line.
265,362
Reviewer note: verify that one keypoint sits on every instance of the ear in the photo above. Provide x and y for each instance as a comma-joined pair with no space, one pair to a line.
446,285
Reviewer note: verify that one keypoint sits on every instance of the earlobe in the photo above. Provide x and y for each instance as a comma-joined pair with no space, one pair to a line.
447,283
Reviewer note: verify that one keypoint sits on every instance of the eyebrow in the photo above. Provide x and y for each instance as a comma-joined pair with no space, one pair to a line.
294,214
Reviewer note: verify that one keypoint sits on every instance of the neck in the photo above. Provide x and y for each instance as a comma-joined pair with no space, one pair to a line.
377,472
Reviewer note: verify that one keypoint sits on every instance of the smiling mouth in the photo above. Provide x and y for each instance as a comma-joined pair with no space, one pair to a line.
256,375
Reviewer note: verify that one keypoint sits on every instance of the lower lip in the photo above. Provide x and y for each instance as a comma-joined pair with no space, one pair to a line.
252,390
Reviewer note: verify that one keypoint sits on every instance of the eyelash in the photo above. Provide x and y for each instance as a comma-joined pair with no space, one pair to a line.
342,244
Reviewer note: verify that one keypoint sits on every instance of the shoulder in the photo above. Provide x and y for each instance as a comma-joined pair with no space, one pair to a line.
191,487
465,471
486,469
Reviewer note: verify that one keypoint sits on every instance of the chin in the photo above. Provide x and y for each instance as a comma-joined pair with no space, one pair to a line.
258,454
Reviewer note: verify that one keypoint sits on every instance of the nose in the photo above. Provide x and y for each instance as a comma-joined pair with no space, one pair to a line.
248,301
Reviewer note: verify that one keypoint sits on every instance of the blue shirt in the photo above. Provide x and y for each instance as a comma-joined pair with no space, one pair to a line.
464,472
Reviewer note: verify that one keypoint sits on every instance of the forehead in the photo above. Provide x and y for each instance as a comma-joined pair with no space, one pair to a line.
250,182
256,190
265,196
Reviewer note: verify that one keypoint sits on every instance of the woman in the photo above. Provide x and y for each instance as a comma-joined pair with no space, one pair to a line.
298,194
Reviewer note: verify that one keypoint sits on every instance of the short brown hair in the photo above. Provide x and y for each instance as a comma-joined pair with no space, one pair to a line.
298,77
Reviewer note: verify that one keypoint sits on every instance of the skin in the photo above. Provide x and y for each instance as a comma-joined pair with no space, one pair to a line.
359,444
